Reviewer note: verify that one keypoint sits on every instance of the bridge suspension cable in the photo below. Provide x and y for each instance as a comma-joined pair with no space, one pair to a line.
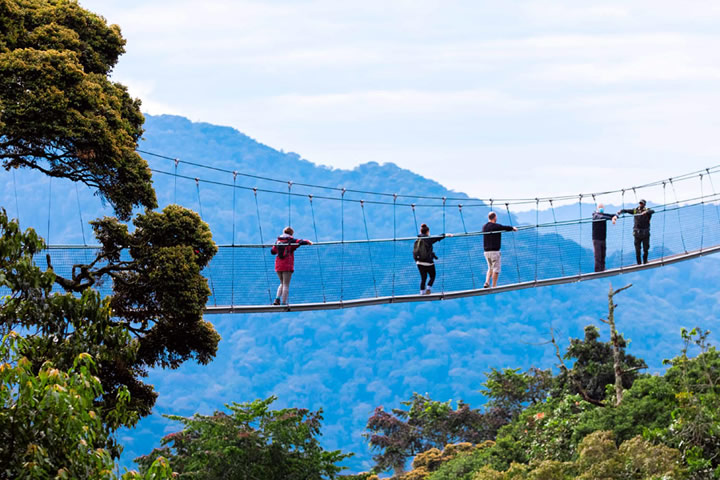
467,200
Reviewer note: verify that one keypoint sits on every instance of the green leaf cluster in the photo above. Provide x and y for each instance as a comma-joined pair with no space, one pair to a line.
50,424
59,111
250,441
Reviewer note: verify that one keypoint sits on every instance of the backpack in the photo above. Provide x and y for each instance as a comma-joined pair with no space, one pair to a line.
282,249
421,251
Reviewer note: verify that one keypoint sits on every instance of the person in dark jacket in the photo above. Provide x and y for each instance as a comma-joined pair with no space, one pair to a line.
284,248
425,257
641,229
599,235
492,240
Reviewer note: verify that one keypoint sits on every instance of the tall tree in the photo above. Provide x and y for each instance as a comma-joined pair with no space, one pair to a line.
157,306
250,442
427,423
59,111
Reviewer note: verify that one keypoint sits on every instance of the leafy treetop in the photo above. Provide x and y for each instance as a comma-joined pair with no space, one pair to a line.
59,112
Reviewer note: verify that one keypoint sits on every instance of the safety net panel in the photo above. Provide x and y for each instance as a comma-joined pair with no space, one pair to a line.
329,272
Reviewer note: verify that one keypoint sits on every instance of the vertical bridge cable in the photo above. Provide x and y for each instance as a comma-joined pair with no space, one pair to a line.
442,284
712,186
622,234
470,255
212,284
664,184
82,224
367,237
557,234
517,263
580,222
177,161
232,276
394,242
677,209
414,217
317,249
289,204
49,207
342,243
262,242
537,234
702,205
17,204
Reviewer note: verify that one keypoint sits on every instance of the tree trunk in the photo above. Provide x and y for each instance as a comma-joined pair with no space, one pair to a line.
615,340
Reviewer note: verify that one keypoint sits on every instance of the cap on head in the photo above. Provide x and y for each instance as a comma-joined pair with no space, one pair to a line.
642,202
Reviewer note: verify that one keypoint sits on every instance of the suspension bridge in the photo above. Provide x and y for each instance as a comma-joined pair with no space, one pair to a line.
345,272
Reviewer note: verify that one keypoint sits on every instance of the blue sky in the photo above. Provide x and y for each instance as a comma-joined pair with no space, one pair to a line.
492,98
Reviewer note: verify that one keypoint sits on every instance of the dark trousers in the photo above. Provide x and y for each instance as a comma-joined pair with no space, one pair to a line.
600,247
642,241
424,272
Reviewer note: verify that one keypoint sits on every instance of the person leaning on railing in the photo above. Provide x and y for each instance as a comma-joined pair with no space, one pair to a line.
492,242
641,229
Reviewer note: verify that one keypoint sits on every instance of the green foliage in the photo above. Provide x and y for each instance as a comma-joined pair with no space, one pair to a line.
251,441
59,111
170,330
599,458
424,425
593,369
695,426
509,390
50,426
646,407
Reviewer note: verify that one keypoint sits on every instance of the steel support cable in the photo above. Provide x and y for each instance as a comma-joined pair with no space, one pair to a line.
317,249
212,284
177,161
712,186
557,234
82,224
622,234
262,242
677,202
513,201
374,202
17,204
394,243
442,279
470,255
702,206
537,235
49,208
517,263
342,244
664,218
290,203
367,237
232,277
580,248
415,217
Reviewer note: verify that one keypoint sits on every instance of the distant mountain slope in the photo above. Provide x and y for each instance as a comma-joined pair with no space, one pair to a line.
349,362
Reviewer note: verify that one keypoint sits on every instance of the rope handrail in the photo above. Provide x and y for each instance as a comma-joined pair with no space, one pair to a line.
512,201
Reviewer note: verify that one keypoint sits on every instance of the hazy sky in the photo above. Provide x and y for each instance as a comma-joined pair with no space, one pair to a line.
493,98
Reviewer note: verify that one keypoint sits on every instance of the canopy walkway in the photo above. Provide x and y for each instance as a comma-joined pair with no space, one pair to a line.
352,273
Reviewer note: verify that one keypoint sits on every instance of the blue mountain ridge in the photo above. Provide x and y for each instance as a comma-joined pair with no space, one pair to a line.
348,362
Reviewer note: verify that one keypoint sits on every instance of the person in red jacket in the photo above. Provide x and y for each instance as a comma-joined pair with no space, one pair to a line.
284,248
